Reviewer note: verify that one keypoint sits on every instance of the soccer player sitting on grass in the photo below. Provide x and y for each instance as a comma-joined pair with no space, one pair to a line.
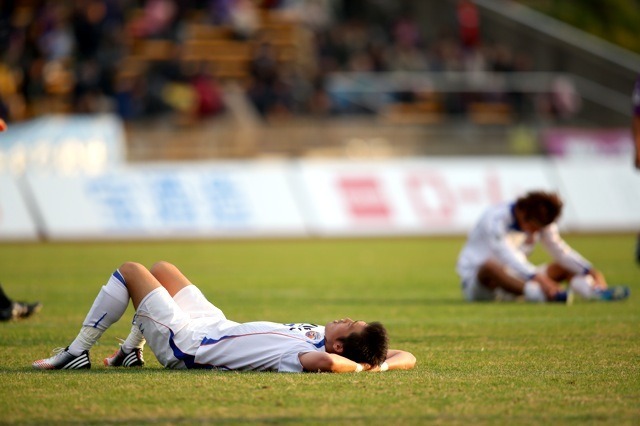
184,330
494,263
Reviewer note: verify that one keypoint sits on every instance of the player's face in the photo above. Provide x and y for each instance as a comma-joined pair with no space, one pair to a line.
342,328
531,226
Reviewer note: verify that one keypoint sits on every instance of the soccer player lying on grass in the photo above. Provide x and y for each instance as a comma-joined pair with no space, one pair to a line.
494,263
184,330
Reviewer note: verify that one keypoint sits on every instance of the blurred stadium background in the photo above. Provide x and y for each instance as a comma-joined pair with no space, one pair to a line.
226,118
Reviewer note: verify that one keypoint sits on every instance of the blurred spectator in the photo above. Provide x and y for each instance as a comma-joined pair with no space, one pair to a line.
564,101
81,56
244,19
88,19
129,95
406,33
88,92
208,99
468,24
159,19
56,41
267,91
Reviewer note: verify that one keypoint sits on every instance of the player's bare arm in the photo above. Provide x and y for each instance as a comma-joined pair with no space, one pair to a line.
598,278
549,286
334,363
397,360
330,363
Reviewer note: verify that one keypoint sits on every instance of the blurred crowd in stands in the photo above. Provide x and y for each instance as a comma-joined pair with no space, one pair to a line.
77,56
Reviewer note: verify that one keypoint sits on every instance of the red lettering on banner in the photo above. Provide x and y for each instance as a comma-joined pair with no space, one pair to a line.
364,198
493,187
432,198
470,195
490,193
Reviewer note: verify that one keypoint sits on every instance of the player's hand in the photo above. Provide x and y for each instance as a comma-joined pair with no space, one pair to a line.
599,281
549,286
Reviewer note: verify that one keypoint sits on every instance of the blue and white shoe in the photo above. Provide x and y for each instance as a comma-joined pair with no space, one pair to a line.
63,360
613,293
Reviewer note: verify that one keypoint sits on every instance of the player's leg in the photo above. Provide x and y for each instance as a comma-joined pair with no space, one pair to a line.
130,352
11,309
170,277
5,301
472,289
493,274
188,297
131,280
592,285
581,284
557,272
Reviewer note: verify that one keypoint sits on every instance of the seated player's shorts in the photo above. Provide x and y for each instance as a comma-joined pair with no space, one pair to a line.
174,327
474,291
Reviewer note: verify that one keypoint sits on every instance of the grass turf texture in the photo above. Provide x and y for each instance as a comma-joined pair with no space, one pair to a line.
489,363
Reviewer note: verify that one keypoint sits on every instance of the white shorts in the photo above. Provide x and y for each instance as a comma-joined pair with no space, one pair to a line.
473,291
174,327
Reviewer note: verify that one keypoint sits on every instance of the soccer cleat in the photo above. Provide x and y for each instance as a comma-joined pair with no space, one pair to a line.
613,293
122,359
19,310
63,360
561,297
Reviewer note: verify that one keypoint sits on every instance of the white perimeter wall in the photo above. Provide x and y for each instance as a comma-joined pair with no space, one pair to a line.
16,221
323,198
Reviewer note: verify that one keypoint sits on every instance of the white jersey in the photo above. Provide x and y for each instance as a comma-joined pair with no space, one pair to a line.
188,331
497,236
260,346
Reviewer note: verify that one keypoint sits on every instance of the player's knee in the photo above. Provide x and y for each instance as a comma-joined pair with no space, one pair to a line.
160,268
487,271
130,270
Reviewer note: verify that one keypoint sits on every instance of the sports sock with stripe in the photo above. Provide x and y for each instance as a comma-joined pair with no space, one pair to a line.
107,308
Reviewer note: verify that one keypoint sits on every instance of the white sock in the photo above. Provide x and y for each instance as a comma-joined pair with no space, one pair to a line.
583,285
87,337
533,292
107,308
134,340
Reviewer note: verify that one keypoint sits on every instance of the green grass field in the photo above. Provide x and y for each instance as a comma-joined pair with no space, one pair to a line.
491,363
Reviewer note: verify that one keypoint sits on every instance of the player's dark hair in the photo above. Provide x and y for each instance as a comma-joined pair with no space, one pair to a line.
542,207
368,346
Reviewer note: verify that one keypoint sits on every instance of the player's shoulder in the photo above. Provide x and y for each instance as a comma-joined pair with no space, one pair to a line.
312,333
500,211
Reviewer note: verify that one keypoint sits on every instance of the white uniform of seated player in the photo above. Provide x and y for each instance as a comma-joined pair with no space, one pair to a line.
185,330
494,262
